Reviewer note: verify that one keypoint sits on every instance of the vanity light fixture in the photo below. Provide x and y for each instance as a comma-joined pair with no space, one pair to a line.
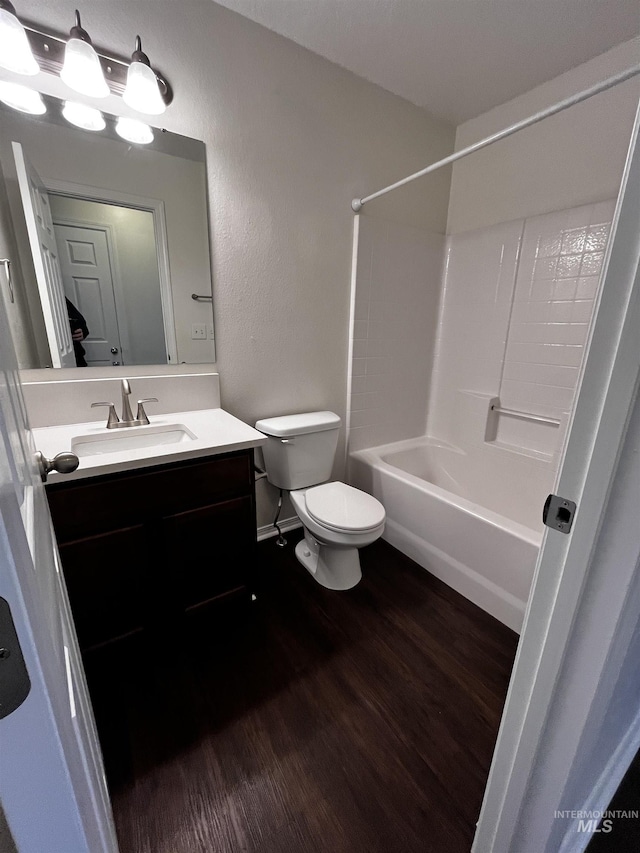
27,50
134,131
22,98
142,92
87,118
82,71
15,51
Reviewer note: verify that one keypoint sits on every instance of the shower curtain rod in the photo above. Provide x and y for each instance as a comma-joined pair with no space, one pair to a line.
357,203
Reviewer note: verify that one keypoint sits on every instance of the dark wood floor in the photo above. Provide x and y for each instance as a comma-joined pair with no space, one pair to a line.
324,722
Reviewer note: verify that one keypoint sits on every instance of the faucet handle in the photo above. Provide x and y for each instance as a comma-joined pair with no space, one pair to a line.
112,420
142,415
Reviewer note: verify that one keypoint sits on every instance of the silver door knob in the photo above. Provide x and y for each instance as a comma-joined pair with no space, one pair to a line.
114,350
63,463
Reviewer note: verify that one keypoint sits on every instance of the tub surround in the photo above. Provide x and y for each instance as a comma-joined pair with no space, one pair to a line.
518,300
516,304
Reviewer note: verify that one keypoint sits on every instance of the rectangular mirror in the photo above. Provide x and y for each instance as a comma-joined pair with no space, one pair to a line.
108,244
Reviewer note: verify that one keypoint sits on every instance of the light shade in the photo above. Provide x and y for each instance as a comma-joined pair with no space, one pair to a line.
134,131
22,98
82,71
142,92
15,51
88,118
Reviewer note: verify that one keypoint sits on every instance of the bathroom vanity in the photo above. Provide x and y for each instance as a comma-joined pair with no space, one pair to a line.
142,548
157,523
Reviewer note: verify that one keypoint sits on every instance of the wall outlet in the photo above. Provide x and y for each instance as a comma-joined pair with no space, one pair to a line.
198,331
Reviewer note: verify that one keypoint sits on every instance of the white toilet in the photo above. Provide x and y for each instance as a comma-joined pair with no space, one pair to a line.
337,518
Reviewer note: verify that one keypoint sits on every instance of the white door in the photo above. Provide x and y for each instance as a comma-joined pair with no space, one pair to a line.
535,753
87,278
35,200
52,786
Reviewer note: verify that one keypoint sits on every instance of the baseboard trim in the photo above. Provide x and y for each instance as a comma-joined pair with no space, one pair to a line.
267,531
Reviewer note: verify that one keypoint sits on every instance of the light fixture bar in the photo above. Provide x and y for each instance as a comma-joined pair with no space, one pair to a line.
49,50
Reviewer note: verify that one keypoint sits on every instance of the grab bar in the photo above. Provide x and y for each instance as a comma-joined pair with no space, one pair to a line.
199,298
526,415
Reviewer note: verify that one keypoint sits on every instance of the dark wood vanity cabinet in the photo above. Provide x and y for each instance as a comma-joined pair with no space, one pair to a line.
142,549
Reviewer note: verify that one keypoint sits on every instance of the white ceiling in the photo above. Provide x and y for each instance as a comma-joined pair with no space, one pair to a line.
455,58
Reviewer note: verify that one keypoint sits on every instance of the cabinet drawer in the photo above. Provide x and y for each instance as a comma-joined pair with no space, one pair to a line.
119,500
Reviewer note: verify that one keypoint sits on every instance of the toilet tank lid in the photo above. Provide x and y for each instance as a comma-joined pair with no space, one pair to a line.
288,425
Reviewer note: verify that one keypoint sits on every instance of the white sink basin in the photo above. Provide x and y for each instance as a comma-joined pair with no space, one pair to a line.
130,438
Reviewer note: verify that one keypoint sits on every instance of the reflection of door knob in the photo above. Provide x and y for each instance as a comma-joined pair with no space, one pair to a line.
114,350
63,463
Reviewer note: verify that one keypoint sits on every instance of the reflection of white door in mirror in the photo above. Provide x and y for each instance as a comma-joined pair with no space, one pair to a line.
111,256
88,284
35,199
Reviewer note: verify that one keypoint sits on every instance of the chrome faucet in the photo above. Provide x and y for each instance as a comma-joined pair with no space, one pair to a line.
127,415
127,420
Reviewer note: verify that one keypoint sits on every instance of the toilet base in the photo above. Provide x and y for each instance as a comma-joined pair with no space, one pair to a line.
333,568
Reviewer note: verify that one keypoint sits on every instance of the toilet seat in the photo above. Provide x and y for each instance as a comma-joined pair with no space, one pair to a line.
342,508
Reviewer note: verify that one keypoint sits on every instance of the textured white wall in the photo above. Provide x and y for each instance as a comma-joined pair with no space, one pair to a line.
291,139
571,159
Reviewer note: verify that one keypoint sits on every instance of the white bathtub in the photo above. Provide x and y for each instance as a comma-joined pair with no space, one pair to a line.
442,511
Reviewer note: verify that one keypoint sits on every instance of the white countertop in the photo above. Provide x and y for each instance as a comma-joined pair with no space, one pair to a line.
215,430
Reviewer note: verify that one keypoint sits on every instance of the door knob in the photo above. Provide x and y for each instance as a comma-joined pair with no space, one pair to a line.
114,350
63,463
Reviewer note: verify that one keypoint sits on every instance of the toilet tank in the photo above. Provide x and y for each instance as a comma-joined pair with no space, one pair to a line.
300,449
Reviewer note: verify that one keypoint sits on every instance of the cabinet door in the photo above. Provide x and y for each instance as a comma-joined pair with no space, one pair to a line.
105,580
211,550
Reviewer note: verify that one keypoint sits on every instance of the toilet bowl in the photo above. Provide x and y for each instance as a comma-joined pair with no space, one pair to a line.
337,518
337,521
